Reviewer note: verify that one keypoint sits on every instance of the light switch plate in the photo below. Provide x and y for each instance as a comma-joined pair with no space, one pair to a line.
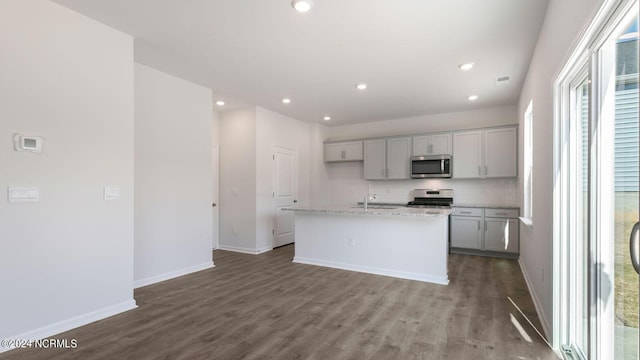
23,194
111,193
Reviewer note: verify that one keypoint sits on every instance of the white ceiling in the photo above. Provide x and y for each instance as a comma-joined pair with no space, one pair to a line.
408,51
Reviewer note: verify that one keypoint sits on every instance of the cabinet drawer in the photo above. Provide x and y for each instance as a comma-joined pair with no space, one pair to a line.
502,213
467,212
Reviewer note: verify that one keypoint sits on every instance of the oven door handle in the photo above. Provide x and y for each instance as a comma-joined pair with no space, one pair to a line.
442,166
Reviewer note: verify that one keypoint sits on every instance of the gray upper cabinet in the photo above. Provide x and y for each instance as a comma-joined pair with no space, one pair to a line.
432,144
387,158
398,156
476,154
343,151
490,153
467,154
501,152
375,159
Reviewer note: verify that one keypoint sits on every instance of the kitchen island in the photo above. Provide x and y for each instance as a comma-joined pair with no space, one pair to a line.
408,243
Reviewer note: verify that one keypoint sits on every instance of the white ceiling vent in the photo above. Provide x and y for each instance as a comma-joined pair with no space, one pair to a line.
502,80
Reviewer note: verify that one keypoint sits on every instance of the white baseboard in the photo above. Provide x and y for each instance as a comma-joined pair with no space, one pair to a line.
244,250
536,301
442,280
74,322
172,274
264,249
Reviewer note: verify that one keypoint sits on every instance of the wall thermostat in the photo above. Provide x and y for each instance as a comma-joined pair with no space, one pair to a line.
27,143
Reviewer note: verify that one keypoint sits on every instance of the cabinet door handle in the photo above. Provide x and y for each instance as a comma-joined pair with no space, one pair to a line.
465,212
486,171
344,154
485,226
479,170
442,166
382,172
502,214
478,225
430,148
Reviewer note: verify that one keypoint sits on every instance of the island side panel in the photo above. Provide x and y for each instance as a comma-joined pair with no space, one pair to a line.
413,248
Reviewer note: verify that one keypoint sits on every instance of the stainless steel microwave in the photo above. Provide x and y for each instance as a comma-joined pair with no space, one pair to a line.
434,166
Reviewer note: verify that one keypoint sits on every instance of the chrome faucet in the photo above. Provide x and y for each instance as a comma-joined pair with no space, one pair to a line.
367,199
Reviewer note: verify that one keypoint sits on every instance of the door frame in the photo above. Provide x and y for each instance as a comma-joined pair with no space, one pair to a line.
215,160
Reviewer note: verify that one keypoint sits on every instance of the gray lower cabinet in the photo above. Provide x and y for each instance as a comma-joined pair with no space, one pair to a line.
466,228
485,231
501,235
465,232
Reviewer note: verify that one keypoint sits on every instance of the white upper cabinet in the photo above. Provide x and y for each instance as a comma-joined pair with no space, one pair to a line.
500,152
387,158
375,159
467,154
343,151
490,153
435,144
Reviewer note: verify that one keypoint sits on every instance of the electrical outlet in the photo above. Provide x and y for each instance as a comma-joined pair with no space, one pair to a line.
233,230
351,241
542,275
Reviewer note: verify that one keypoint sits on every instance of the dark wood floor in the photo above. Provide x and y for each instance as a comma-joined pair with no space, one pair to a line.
266,307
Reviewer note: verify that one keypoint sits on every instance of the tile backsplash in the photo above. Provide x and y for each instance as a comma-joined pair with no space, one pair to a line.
478,191
345,184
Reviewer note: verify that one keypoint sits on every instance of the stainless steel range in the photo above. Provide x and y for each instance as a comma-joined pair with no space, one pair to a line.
432,198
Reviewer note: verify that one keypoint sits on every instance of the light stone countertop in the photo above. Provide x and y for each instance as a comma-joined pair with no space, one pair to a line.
488,206
374,210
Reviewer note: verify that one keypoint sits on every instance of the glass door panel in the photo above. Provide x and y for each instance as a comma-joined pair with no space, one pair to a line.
626,192
599,162
579,244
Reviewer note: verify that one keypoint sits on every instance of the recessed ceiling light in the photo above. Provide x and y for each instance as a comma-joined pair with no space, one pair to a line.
327,118
472,97
302,5
361,86
220,103
466,67
286,101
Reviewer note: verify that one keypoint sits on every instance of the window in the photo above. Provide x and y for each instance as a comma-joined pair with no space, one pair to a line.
528,165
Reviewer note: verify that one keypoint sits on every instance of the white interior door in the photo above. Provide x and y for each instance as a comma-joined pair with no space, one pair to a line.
285,194
215,157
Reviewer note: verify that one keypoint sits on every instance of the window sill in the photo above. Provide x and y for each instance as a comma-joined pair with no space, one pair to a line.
527,221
